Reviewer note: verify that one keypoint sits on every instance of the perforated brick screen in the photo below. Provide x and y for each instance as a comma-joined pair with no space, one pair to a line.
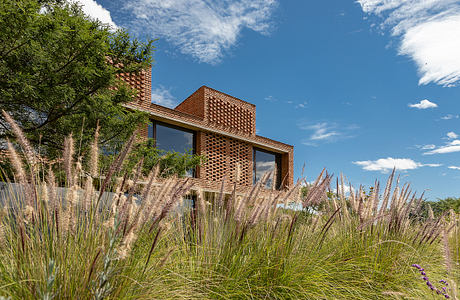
224,155
137,81
230,115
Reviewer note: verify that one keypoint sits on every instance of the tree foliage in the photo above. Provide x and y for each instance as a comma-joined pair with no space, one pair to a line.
58,74
169,163
441,206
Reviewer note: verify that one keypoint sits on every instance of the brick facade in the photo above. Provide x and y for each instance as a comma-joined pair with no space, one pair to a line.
225,129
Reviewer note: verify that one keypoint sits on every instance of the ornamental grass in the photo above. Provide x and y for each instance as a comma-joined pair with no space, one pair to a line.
127,236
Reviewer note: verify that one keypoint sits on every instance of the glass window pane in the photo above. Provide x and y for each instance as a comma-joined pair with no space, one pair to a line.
264,162
172,139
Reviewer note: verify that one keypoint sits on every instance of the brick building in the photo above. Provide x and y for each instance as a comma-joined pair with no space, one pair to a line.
220,127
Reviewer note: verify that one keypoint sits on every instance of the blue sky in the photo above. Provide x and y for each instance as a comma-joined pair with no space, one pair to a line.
357,87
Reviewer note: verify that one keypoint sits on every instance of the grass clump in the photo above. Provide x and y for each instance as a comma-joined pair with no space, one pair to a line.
131,238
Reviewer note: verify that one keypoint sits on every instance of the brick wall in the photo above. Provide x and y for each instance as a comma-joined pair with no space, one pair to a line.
228,159
194,104
225,128
229,113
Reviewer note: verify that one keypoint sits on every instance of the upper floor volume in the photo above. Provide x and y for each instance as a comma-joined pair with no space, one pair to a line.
220,127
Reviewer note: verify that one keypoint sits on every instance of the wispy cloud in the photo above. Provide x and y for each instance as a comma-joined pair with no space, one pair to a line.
452,135
96,11
385,165
325,132
200,28
162,96
424,104
454,168
450,117
452,146
426,147
270,99
301,105
429,32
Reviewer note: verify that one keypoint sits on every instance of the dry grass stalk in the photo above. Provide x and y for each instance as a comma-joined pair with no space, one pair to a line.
52,190
318,190
20,174
22,140
116,164
386,194
67,156
2,234
447,253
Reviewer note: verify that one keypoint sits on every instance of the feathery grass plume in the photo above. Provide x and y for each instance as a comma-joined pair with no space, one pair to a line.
220,202
159,198
20,174
146,197
386,194
94,156
125,247
29,214
116,164
22,140
201,204
180,190
52,190
318,190
375,197
2,233
67,157
430,213
434,230
447,254
240,211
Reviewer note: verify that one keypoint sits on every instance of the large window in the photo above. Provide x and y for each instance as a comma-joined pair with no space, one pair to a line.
172,138
267,162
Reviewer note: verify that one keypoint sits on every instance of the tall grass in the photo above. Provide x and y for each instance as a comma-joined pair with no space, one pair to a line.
129,238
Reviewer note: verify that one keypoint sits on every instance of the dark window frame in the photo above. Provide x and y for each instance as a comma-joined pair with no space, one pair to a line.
277,180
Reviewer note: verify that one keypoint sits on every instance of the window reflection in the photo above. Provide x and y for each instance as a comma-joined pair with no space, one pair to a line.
170,138
264,163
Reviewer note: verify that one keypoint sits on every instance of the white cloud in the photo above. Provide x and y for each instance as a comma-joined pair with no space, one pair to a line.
301,105
429,32
325,132
454,167
271,99
322,131
424,104
449,117
428,147
387,164
96,11
200,28
452,146
452,135
162,96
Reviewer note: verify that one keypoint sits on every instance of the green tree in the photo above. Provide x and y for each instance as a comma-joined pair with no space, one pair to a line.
58,75
441,206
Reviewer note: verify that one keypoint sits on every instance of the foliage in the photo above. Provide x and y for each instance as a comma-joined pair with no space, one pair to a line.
441,206
58,74
169,163
245,248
